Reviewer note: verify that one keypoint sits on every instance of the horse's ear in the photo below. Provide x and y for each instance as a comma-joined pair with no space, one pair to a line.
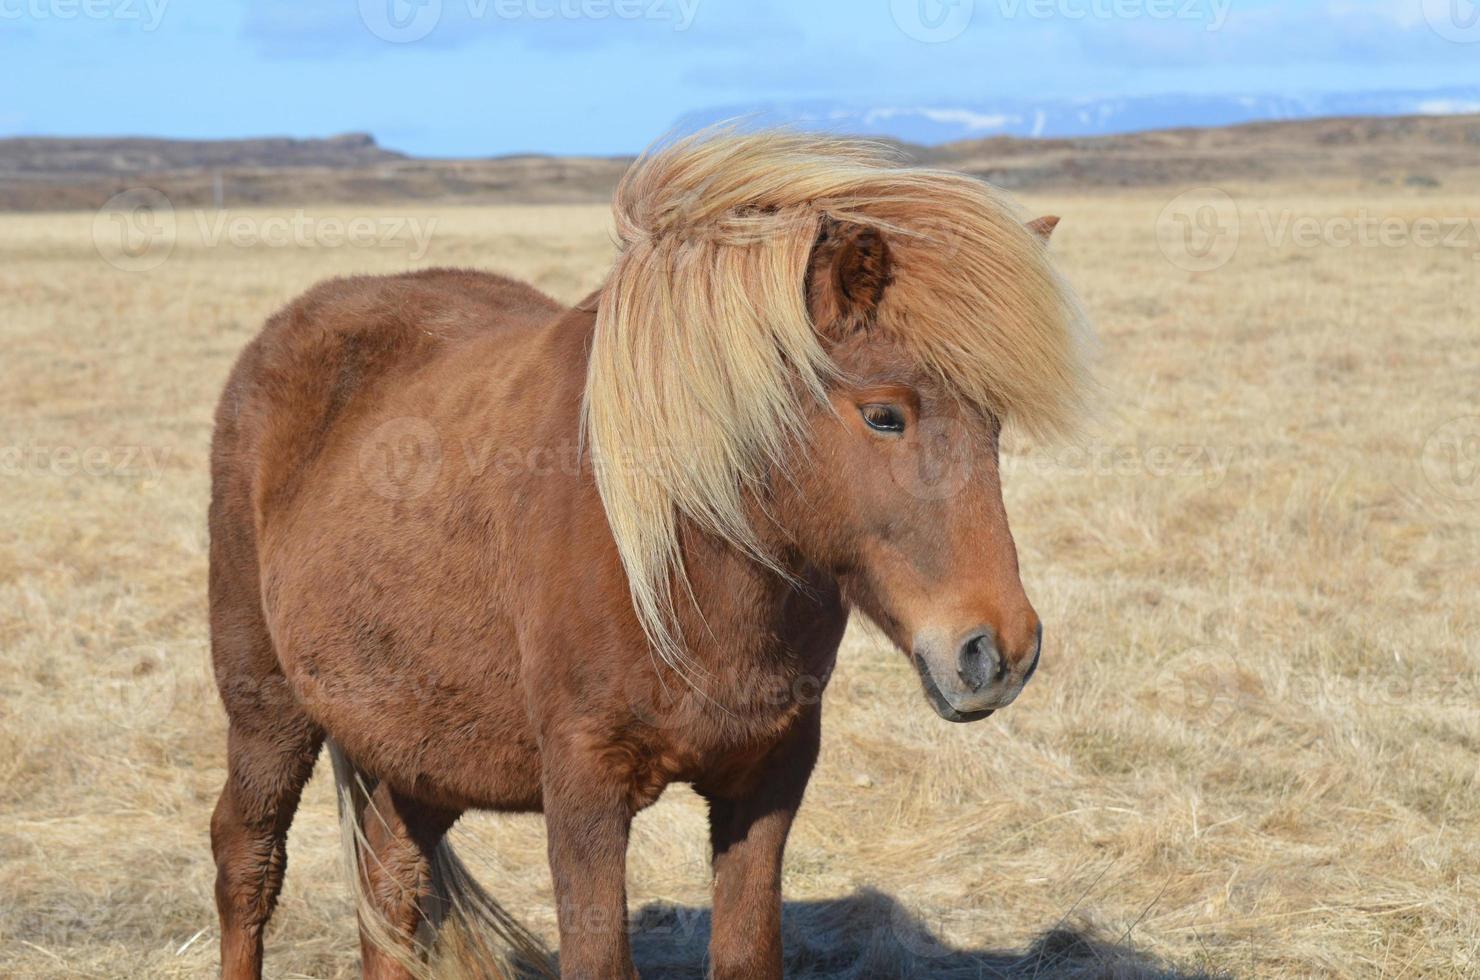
849,271
1043,227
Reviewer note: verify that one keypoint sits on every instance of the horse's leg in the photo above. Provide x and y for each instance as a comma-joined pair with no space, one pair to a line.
269,758
401,835
748,832
587,821
271,745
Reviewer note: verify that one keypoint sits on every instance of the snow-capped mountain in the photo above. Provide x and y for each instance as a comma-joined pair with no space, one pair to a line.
947,120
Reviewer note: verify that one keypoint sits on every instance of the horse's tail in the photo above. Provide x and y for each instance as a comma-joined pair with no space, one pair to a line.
465,934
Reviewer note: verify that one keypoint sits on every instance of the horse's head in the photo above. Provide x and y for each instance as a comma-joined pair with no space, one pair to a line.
903,499
825,344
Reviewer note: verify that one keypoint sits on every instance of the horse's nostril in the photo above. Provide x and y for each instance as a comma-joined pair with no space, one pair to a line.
978,663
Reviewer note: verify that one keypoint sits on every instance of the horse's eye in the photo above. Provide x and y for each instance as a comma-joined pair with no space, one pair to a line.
884,418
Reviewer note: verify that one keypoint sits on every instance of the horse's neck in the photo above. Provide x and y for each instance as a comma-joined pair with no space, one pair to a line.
732,608
743,611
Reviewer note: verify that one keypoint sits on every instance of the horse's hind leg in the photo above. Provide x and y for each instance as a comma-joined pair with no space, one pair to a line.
266,770
401,837
271,748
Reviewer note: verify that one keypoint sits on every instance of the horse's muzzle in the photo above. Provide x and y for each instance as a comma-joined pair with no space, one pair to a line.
973,677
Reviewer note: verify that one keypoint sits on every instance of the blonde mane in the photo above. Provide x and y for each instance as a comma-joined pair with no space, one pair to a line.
704,349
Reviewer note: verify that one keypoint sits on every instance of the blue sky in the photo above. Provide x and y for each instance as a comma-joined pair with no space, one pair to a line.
475,77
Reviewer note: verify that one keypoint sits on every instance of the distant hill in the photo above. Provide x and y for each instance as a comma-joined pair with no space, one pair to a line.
963,117
1416,150
73,174
58,174
62,156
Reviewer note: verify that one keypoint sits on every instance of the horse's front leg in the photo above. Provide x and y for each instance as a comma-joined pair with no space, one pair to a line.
748,832
587,819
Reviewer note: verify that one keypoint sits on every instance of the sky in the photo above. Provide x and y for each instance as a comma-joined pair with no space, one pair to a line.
484,77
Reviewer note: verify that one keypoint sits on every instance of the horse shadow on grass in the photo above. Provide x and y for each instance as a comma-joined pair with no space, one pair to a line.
870,936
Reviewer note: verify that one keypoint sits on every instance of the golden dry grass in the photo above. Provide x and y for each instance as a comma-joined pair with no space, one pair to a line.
1252,748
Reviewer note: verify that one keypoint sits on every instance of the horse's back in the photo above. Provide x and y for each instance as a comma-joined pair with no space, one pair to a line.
339,345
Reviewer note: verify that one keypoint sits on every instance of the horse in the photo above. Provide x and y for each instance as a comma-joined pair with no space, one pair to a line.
509,555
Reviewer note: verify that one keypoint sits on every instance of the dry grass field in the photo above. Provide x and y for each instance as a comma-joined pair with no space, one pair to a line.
1251,750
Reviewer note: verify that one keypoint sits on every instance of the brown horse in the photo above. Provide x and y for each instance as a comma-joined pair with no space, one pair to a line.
515,556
